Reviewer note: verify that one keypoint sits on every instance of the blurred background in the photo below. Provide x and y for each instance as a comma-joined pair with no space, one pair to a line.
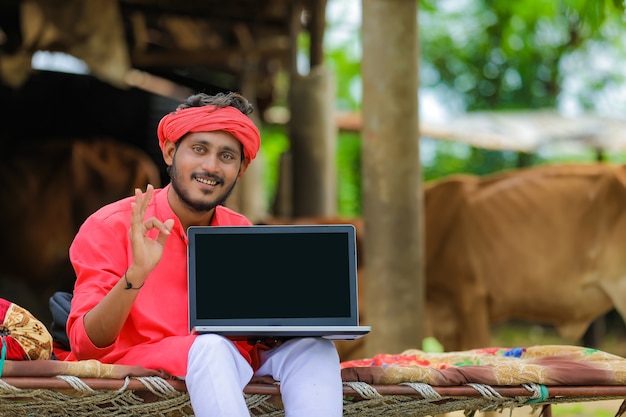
501,86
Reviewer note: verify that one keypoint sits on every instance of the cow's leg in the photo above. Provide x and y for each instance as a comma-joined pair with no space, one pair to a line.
475,324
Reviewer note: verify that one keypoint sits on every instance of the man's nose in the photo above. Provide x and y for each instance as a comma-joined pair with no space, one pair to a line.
210,163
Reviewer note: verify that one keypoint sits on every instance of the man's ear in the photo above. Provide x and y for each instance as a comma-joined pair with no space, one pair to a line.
243,167
168,150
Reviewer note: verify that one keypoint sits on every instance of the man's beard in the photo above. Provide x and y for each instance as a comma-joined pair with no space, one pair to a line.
194,205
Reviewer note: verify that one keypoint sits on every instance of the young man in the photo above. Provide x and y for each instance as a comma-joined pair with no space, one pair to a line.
130,298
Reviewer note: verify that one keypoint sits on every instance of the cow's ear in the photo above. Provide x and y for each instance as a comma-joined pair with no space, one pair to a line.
169,149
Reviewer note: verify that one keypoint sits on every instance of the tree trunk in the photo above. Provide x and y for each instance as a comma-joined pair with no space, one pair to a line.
392,184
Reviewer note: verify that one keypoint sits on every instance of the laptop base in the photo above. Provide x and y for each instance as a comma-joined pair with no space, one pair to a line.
252,332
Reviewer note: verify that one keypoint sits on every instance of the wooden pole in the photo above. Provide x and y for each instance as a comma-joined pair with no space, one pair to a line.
317,29
249,197
392,185
313,136
312,128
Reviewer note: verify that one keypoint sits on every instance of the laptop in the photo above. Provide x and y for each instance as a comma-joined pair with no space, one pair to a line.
248,282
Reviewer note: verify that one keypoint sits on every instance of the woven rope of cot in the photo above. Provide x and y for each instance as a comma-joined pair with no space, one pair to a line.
93,397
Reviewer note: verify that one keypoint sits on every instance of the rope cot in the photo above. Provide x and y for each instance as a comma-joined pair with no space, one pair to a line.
413,383
139,396
80,399
410,384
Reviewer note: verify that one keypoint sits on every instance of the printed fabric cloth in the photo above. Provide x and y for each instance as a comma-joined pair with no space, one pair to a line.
23,336
546,365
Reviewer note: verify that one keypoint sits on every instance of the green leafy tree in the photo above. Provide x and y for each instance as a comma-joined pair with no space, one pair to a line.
497,55
507,54
500,55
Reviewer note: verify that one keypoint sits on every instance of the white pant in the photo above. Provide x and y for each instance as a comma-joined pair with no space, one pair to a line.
307,368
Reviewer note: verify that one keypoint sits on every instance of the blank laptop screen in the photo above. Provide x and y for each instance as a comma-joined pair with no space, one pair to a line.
271,275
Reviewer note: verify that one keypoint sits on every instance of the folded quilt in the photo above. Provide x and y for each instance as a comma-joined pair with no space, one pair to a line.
81,369
546,365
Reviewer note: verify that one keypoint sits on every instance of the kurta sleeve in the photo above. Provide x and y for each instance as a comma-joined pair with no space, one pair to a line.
100,256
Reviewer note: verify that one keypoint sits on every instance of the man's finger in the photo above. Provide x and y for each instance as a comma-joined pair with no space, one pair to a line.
154,223
162,237
144,199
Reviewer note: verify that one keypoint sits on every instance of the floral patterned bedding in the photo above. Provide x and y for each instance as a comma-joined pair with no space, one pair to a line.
547,365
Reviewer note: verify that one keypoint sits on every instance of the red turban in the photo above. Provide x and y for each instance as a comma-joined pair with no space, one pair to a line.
174,126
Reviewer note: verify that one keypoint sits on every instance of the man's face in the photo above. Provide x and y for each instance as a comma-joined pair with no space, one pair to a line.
205,167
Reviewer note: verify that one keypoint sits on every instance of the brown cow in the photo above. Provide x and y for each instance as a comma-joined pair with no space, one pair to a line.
47,189
543,244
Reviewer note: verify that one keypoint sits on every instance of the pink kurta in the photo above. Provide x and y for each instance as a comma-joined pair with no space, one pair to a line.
156,333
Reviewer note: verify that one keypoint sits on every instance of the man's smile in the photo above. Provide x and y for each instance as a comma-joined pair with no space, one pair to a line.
207,181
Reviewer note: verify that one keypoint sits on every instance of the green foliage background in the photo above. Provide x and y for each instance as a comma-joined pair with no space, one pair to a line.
483,55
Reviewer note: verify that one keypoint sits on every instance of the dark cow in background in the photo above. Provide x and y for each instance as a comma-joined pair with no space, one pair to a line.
543,245
47,189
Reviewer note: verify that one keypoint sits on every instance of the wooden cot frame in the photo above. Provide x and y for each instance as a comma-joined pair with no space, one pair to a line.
417,399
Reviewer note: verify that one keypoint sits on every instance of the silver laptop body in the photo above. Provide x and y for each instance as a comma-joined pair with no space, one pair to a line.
253,282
